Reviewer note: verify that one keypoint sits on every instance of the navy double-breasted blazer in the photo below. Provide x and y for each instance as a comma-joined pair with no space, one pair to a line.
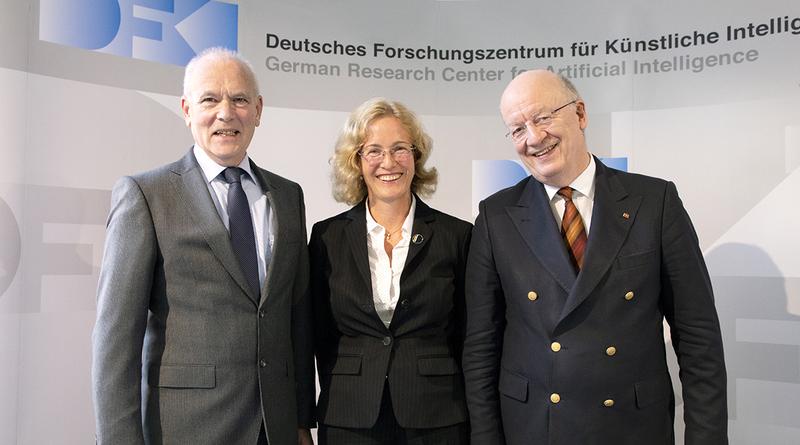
552,357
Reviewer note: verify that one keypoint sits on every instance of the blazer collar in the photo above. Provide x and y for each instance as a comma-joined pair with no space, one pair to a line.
613,215
188,163
421,232
356,233
191,188
279,204
533,218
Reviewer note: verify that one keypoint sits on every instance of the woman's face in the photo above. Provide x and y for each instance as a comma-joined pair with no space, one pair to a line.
388,177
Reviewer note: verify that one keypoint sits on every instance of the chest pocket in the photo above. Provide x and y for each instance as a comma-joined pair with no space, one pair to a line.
437,366
346,365
637,259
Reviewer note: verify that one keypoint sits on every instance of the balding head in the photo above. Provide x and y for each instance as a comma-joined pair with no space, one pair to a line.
541,82
547,115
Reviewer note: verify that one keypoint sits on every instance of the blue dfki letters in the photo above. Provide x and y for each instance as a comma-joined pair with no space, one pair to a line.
165,31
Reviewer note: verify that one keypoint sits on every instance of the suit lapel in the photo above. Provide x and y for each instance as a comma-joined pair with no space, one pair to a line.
608,232
356,233
192,190
421,232
278,206
534,220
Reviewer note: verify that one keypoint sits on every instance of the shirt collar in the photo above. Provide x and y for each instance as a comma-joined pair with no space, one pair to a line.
583,184
211,169
408,224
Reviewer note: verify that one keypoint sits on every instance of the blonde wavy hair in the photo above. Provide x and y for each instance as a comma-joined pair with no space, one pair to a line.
348,182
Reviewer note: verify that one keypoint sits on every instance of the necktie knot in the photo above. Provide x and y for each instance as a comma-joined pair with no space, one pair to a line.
566,193
233,174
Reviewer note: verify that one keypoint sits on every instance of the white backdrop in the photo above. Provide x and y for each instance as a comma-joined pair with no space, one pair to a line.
75,118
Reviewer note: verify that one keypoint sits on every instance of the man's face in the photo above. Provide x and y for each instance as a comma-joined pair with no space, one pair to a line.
222,109
555,151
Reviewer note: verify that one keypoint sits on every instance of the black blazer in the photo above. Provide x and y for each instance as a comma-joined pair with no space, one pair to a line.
419,354
642,264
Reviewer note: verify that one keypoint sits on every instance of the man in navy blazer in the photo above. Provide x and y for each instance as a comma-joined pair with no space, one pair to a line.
561,353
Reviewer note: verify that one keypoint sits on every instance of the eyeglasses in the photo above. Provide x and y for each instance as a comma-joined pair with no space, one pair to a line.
374,154
542,121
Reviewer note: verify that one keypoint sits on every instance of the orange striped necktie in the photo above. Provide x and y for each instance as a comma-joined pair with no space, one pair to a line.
572,229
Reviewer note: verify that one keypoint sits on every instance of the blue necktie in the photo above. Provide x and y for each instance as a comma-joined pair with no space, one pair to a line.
240,225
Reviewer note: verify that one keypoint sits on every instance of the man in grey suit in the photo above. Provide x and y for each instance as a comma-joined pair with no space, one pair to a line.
570,275
203,329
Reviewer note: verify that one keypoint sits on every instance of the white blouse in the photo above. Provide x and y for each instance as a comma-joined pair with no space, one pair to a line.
385,276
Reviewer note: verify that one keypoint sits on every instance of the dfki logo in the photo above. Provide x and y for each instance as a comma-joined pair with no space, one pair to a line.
490,176
165,31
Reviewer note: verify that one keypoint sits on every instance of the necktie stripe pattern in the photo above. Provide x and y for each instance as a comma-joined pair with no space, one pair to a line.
572,228
240,226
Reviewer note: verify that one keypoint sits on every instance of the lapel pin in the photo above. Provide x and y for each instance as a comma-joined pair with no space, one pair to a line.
626,215
417,239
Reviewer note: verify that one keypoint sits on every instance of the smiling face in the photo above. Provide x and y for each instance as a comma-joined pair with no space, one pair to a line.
556,154
222,108
388,180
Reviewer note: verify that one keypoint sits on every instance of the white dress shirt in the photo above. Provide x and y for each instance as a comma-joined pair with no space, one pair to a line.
385,276
256,198
582,196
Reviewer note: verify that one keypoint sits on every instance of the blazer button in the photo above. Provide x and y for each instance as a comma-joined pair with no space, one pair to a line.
555,398
532,296
608,403
611,351
629,296
261,314
262,363
404,304
555,346
387,341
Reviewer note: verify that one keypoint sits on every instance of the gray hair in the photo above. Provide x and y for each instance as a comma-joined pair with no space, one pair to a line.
218,53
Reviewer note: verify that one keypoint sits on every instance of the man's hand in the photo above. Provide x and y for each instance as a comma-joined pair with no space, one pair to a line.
304,437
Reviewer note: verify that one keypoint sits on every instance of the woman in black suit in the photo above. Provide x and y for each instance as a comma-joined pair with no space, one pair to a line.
388,288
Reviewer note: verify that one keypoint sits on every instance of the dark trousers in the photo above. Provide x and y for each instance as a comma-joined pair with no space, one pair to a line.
387,431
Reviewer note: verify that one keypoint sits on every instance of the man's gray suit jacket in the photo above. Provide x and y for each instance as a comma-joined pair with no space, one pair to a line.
183,350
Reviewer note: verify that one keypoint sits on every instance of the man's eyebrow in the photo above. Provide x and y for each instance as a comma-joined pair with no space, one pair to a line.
210,93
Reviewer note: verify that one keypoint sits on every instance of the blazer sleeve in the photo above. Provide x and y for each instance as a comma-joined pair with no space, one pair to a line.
302,329
688,302
324,331
123,296
485,312
459,306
